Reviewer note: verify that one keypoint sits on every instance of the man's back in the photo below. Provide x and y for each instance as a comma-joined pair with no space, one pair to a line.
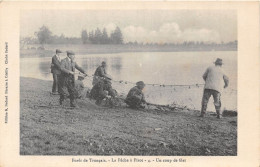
55,68
214,78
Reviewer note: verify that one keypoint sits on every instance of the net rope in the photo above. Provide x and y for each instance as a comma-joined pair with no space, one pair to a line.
185,96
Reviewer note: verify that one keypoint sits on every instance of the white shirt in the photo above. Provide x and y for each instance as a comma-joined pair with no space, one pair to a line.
215,78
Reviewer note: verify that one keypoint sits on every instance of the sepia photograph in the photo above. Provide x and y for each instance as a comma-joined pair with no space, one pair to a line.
128,82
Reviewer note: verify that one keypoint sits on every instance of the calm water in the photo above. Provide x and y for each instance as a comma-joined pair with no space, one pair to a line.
155,68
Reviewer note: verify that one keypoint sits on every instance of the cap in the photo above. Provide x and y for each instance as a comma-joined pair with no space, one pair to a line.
58,51
69,52
218,61
140,83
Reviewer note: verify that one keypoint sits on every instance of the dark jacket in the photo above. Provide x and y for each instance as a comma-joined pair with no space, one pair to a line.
100,71
97,92
135,93
55,65
67,65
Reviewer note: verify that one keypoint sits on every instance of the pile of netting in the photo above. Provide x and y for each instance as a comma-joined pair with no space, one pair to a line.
174,96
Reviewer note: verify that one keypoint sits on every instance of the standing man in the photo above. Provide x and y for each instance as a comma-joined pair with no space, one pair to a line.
68,66
135,97
100,73
55,70
215,80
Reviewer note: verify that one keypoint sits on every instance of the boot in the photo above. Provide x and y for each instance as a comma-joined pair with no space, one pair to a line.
61,101
202,115
73,104
219,116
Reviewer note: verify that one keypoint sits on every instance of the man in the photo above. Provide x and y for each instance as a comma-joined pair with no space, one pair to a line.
135,97
214,78
68,66
99,73
102,89
55,70
80,88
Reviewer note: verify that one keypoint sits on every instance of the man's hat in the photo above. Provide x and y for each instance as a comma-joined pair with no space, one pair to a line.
218,61
141,83
103,62
69,52
58,51
80,77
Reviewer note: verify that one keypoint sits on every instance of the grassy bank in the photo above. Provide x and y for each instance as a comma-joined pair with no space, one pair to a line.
94,130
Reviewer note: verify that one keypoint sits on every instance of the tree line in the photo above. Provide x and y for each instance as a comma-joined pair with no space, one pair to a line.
45,36
98,36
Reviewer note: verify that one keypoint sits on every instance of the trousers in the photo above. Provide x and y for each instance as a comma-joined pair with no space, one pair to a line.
55,85
205,99
67,82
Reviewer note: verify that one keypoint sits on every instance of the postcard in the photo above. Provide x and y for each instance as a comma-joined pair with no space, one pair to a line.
129,83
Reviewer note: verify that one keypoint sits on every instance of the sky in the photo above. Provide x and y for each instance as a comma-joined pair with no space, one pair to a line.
159,26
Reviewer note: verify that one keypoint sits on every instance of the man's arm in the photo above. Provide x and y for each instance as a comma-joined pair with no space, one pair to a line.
143,98
205,75
79,68
226,80
102,72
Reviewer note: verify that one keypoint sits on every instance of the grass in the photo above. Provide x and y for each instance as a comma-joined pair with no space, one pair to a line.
95,130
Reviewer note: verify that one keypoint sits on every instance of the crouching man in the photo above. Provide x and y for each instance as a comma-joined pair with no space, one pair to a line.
81,90
102,89
135,97
215,79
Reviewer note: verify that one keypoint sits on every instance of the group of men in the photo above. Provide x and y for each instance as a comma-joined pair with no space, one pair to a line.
64,78
65,84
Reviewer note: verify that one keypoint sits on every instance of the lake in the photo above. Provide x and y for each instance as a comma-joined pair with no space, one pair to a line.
163,68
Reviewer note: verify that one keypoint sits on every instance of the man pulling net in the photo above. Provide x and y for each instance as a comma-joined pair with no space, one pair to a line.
135,97
102,89
68,66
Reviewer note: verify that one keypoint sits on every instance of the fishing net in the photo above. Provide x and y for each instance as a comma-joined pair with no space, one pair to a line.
182,96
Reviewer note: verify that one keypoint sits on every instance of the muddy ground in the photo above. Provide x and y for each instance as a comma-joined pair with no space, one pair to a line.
95,130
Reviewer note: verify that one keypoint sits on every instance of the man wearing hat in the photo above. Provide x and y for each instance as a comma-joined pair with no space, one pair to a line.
68,66
215,79
99,73
55,70
102,89
135,97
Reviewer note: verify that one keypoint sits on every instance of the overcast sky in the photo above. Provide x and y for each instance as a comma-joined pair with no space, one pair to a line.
137,25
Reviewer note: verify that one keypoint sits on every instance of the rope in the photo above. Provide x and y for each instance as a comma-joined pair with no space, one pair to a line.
165,95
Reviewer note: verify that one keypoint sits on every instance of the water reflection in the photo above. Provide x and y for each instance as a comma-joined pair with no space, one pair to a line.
116,65
44,66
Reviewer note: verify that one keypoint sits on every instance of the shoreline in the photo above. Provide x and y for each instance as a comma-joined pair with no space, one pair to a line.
95,130
110,49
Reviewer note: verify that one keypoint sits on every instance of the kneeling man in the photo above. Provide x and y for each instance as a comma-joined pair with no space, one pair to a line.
135,97
102,89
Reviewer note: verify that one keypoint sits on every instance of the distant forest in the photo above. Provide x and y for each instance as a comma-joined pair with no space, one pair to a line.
101,37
